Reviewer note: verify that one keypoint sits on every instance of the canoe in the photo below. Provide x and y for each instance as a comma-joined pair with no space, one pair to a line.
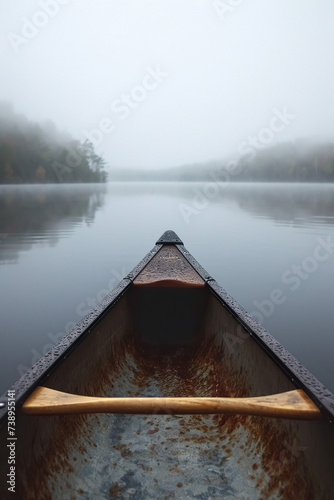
167,389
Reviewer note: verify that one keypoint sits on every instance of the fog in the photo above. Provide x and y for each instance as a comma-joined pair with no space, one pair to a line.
167,82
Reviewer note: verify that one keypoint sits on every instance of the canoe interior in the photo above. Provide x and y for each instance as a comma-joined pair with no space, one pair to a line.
170,342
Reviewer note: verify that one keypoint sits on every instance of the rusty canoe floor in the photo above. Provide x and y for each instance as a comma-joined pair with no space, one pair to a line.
166,456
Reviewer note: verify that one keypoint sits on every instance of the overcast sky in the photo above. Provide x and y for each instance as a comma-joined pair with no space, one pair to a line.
170,82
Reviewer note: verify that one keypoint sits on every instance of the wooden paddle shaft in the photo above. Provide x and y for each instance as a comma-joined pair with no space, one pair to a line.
293,404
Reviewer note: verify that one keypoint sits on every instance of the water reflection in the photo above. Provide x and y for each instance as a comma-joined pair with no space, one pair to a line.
287,204
38,214
297,205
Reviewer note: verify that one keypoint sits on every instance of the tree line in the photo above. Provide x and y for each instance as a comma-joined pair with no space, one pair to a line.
298,161
31,153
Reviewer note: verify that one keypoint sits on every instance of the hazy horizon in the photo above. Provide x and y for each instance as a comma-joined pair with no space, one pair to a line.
172,82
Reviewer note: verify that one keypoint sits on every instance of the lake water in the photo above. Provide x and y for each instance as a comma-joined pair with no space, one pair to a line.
269,245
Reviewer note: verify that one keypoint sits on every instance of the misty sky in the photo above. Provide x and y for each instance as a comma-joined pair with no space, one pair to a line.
171,82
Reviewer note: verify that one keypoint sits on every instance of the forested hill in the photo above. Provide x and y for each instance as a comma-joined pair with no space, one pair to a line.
299,161
31,153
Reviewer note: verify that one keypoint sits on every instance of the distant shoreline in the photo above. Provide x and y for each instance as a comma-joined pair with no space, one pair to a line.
166,181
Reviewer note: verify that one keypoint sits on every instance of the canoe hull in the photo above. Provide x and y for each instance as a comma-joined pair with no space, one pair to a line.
120,353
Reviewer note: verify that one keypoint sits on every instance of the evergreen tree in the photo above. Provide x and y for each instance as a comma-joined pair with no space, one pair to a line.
30,153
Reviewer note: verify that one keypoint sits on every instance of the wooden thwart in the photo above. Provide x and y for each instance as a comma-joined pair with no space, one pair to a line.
294,405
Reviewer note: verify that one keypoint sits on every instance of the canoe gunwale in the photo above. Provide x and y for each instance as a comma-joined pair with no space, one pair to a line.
295,371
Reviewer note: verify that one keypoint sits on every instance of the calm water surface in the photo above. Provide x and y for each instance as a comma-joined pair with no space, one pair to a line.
63,247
